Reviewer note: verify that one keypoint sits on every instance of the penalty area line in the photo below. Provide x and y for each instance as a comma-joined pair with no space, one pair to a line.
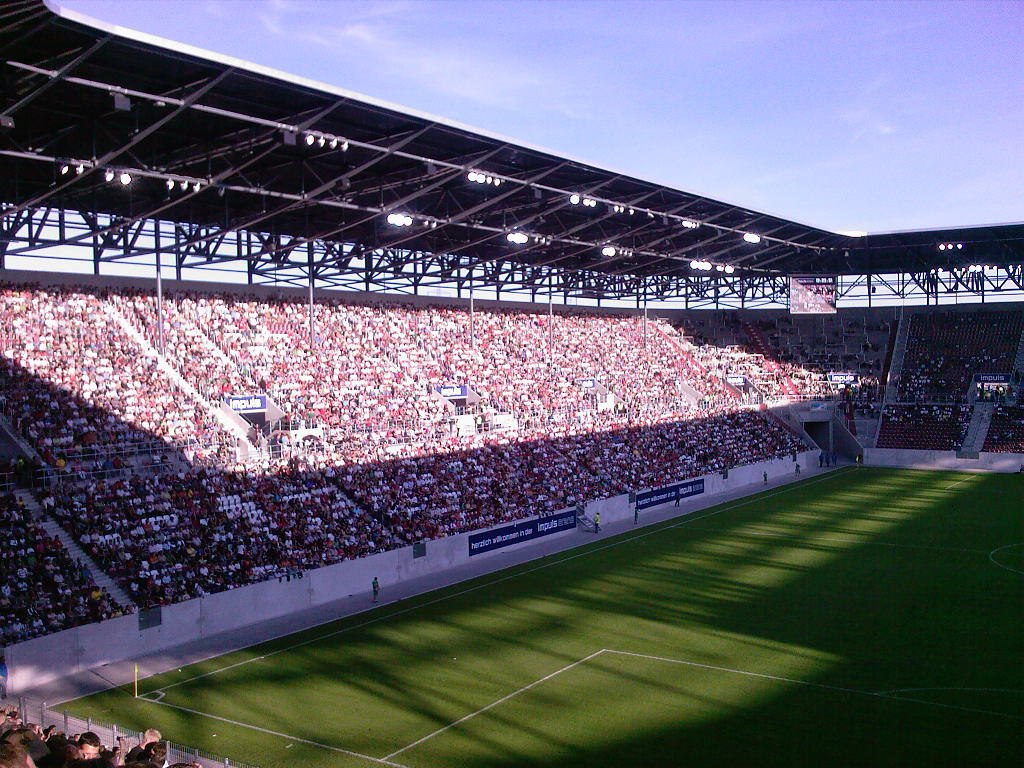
377,760
493,704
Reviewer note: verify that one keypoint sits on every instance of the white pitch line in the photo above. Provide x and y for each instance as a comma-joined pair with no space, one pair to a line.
617,543
825,686
992,557
377,760
969,690
954,485
493,704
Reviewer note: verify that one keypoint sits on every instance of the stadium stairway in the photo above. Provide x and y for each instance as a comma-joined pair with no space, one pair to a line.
150,351
17,444
53,528
761,347
977,430
1018,362
896,365
692,365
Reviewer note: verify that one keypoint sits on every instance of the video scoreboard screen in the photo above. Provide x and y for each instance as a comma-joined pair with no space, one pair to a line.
812,294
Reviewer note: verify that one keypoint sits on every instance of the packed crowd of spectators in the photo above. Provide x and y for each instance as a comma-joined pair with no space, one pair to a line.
385,470
170,537
42,589
80,390
30,745
946,349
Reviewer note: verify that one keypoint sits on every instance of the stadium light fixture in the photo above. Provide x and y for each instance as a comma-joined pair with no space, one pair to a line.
574,199
170,185
608,251
399,220
690,224
79,169
65,169
108,175
751,238
518,238
310,139
125,178
729,269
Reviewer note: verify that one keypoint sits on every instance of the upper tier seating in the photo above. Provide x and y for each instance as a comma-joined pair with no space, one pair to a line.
946,349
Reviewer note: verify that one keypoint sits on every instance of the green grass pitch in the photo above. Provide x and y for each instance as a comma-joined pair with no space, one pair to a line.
871,617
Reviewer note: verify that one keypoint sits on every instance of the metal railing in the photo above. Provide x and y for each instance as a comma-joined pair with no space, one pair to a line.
38,712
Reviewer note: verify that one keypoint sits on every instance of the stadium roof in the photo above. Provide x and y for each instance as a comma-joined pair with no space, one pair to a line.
109,122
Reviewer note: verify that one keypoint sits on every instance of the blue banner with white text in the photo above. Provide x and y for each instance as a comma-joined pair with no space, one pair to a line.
672,493
507,535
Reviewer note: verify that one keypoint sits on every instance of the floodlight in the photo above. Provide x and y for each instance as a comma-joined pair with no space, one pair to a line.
125,178
574,199
729,269
310,139
109,175
608,251
170,184
517,238
750,237
65,169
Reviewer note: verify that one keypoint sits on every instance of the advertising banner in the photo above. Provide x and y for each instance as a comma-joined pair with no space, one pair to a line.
246,403
524,530
992,378
843,378
669,493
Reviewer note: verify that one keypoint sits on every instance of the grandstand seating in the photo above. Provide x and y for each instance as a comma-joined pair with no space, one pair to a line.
946,349
790,355
924,426
42,589
388,470
1006,430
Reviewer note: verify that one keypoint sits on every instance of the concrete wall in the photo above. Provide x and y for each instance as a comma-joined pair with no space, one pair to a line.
44,659
986,462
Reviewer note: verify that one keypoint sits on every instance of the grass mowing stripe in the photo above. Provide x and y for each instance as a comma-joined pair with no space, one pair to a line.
797,542
838,688
493,704
615,542
377,760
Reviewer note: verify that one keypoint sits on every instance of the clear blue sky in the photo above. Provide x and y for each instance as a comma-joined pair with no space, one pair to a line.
845,115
